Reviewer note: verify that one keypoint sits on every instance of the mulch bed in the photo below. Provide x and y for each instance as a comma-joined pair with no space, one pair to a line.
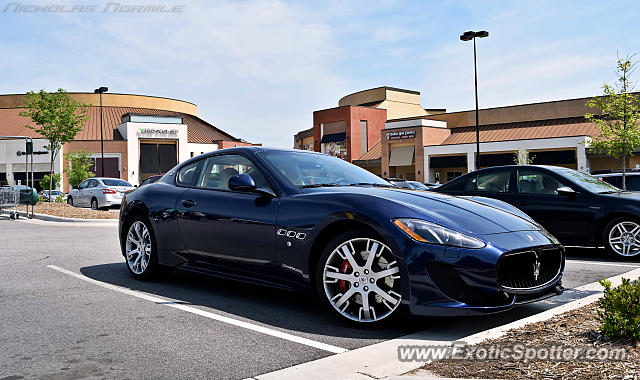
576,328
66,211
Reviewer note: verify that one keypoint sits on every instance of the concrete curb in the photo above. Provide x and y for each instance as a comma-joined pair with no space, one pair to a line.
52,218
379,360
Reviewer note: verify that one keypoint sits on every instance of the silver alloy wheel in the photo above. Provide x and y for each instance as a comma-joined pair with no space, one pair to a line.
624,239
361,280
94,204
138,247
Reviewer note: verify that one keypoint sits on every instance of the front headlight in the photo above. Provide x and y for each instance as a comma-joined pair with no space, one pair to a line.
428,232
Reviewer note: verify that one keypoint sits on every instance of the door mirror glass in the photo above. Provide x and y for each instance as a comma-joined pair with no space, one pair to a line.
566,191
241,182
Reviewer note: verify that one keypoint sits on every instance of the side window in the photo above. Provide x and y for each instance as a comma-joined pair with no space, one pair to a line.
188,174
470,185
92,183
218,169
533,182
495,181
632,182
84,184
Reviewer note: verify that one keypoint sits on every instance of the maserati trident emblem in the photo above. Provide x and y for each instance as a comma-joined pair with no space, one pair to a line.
536,267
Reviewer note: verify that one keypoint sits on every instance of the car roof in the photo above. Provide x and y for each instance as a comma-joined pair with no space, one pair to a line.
616,174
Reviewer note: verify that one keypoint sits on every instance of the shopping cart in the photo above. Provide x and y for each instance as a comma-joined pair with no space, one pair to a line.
9,201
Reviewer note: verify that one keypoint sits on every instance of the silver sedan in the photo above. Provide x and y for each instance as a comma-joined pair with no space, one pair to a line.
98,193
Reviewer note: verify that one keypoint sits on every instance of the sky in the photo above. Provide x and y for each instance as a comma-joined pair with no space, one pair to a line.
258,69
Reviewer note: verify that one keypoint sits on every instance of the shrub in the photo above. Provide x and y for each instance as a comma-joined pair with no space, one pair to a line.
78,168
44,184
619,310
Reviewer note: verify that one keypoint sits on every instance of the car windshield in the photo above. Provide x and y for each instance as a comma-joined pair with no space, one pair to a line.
589,182
116,182
316,170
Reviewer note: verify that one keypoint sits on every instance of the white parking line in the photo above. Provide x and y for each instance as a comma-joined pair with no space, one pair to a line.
206,314
603,263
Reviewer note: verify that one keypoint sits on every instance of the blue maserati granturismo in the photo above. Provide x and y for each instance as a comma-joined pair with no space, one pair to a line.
314,223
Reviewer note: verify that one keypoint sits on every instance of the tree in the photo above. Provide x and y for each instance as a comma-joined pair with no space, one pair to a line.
522,157
58,118
55,181
77,169
618,117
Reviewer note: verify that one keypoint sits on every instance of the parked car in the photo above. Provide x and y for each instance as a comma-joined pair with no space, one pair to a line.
312,222
150,180
398,182
632,180
98,193
44,194
417,185
577,208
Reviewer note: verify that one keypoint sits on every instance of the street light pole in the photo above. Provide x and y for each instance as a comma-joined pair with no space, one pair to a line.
466,36
100,91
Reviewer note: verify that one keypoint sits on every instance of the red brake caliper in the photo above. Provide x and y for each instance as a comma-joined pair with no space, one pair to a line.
344,268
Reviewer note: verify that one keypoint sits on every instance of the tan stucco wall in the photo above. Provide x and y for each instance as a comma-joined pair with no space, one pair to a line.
397,110
366,96
115,100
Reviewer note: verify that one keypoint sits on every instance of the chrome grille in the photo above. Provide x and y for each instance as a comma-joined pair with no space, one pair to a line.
530,269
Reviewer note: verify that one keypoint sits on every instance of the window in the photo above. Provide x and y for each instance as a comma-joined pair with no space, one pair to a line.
84,184
364,137
453,175
116,182
533,182
187,174
218,169
494,181
92,183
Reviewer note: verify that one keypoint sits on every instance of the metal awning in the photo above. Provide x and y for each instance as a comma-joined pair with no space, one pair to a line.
334,137
401,155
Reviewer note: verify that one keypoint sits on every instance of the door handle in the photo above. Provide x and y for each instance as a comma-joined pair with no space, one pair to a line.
188,203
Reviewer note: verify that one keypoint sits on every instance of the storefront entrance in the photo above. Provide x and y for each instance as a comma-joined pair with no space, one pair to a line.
157,157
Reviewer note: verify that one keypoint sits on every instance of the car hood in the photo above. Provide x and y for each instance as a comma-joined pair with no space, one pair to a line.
464,215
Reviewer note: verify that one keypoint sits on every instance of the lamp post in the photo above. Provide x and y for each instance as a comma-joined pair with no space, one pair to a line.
101,90
467,36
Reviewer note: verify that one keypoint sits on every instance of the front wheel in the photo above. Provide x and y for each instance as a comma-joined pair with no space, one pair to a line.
141,250
357,277
621,237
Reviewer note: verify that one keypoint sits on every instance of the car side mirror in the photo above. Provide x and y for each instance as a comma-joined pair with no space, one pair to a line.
566,191
241,182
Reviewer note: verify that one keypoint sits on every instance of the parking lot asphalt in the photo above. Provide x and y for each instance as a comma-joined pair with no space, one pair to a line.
69,309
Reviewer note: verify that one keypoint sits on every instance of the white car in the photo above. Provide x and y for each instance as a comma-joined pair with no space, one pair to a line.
99,193
54,195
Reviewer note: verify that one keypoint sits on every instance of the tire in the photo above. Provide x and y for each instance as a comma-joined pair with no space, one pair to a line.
139,233
70,201
346,284
621,237
94,204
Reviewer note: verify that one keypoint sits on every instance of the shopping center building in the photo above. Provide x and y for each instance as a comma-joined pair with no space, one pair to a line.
406,140
142,136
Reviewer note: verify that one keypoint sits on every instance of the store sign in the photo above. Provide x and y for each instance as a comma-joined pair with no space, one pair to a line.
157,132
401,135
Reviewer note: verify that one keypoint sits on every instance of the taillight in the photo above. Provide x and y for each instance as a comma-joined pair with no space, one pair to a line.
108,191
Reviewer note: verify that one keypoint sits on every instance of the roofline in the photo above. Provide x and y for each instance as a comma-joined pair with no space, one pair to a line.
413,92
110,93
332,108
528,104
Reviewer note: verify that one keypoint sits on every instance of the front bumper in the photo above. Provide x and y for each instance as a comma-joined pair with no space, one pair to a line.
445,281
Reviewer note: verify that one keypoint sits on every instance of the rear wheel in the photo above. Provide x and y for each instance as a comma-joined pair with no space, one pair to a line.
141,249
621,237
358,278
94,204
